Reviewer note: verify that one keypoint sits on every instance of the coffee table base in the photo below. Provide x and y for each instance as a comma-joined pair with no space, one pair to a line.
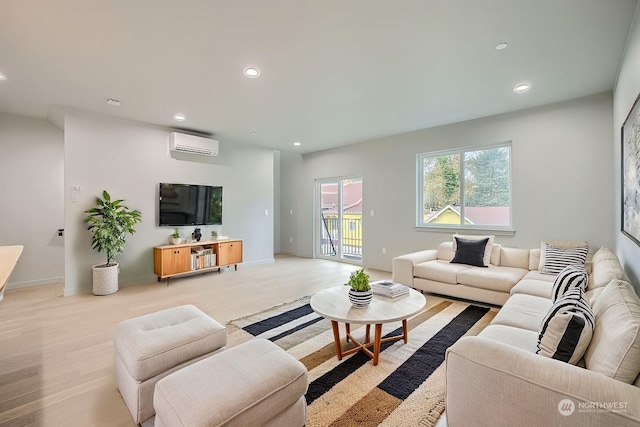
364,347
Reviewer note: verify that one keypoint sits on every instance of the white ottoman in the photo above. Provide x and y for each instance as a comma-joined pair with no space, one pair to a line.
254,384
150,347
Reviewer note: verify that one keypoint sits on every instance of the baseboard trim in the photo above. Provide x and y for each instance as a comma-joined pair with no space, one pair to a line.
258,262
295,254
32,283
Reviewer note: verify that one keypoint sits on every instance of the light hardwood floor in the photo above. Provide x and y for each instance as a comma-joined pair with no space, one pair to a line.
56,353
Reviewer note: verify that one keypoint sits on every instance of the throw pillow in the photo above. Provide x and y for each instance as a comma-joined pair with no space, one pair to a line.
615,348
572,276
470,252
564,244
486,259
557,258
567,328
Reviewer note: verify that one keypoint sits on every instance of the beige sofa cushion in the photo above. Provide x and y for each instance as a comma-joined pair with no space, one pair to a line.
592,294
514,257
606,267
534,259
536,288
521,338
615,347
495,278
495,254
445,251
439,271
536,275
523,311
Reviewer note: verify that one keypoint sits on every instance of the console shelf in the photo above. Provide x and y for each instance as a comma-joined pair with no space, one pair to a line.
198,257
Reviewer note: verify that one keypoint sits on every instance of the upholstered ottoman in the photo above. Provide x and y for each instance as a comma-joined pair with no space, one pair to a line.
254,384
150,347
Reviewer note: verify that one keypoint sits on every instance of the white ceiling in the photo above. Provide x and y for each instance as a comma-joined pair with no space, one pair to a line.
333,72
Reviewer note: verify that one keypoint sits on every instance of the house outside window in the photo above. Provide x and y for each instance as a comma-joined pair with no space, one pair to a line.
465,188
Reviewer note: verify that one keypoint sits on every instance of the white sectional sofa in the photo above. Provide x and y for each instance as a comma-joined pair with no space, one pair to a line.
497,379
431,271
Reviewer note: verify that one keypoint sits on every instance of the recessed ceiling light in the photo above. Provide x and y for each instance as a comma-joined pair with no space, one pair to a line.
522,87
3,77
114,102
179,117
502,45
297,143
251,72
253,133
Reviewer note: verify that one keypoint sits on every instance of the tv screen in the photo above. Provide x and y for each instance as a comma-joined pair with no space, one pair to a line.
185,204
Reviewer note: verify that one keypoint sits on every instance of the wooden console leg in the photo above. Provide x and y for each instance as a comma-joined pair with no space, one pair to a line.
336,338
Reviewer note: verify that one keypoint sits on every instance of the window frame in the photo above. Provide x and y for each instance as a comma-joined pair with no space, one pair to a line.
422,225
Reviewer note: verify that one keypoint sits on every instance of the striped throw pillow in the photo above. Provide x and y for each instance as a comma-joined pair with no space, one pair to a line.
572,276
557,258
567,328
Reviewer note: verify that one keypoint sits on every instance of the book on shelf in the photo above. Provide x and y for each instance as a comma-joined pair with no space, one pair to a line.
202,258
389,289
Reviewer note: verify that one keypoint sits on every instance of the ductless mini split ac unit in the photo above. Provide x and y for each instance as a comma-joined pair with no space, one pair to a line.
191,144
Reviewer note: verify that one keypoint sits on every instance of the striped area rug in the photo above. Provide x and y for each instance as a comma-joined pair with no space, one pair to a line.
407,388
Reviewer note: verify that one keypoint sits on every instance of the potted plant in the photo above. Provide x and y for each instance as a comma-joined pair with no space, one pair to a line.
109,222
175,239
360,293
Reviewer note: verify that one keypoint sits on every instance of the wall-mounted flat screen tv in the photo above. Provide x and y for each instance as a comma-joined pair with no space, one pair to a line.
185,204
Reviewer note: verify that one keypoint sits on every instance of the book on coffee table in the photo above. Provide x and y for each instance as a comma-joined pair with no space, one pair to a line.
389,289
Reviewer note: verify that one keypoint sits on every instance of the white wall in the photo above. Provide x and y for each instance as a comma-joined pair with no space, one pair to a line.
129,159
625,93
562,180
296,219
32,170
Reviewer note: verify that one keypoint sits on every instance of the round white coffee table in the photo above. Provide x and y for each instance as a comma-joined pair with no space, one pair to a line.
334,304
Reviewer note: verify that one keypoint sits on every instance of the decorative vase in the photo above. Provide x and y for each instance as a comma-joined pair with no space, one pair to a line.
105,279
196,234
360,299
175,240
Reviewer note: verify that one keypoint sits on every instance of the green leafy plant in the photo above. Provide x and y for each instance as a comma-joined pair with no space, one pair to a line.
176,233
359,281
110,222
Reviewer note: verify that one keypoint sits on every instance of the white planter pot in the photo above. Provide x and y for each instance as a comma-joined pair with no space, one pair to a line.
105,279
175,240
360,299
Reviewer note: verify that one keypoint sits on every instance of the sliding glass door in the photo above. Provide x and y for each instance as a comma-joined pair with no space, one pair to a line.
339,219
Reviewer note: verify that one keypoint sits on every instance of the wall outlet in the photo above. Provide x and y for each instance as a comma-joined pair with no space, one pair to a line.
384,251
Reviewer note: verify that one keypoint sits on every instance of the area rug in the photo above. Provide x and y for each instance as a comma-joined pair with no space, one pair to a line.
406,388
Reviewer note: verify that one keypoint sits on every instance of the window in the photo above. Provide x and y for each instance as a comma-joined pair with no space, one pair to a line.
465,188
